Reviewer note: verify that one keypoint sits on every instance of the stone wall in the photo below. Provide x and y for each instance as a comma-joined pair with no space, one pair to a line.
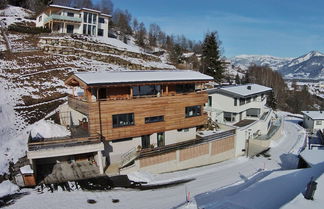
101,52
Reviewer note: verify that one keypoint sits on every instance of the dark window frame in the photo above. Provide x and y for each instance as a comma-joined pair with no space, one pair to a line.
100,32
235,101
101,20
70,14
196,111
210,101
154,119
118,118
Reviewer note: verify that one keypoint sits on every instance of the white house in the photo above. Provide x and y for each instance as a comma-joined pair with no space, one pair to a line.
313,120
244,107
61,19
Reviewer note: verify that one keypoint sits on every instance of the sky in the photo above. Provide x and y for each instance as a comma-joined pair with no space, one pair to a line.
282,28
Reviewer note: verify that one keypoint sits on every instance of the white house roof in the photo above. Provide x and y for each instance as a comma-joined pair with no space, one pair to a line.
112,77
315,115
77,9
241,90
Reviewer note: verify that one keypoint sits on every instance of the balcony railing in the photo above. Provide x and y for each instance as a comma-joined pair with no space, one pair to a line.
62,18
78,105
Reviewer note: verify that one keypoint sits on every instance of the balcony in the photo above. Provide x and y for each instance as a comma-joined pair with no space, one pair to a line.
62,18
79,105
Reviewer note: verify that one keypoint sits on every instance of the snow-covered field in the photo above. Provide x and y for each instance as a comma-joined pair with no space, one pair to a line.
211,186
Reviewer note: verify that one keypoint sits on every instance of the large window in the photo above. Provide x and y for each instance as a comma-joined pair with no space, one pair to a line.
210,101
253,112
146,90
100,32
69,28
229,117
193,111
242,101
154,119
101,20
318,122
145,141
185,88
160,139
121,120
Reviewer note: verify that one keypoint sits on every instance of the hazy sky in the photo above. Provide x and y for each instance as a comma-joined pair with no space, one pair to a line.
284,28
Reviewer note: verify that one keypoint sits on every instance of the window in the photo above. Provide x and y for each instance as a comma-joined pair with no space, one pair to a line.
248,100
94,19
70,14
242,102
40,18
121,120
210,101
193,111
146,90
255,98
185,88
253,112
69,28
89,30
235,101
229,117
145,141
183,130
318,122
102,93
89,18
160,139
100,32
84,29
85,17
154,119
101,20
93,30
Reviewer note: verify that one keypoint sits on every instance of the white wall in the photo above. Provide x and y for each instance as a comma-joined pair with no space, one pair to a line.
117,149
65,111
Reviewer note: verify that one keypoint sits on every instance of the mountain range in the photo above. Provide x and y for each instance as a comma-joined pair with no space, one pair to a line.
308,66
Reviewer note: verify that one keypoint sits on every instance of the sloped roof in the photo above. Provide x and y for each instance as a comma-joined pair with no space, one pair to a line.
241,90
115,77
315,115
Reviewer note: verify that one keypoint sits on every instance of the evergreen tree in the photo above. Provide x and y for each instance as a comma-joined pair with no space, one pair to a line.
272,101
211,57
175,54
237,79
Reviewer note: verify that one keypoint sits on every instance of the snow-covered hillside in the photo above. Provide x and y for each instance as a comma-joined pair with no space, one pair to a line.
244,61
32,80
310,65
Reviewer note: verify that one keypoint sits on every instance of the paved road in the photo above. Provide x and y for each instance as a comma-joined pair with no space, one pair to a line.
208,178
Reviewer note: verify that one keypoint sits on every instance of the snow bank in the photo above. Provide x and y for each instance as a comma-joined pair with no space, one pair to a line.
13,14
48,129
141,176
7,188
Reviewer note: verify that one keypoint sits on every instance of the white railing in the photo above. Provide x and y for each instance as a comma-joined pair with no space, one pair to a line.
128,157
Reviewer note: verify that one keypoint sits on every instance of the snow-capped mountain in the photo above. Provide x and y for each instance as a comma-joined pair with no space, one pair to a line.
244,61
308,66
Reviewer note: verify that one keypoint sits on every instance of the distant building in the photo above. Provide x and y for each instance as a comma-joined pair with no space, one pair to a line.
244,107
61,19
313,120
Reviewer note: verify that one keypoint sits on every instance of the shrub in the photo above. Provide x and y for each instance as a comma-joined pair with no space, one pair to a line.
28,29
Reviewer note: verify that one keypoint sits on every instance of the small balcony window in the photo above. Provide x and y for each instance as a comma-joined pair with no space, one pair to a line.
193,111
70,14
101,20
122,120
229,117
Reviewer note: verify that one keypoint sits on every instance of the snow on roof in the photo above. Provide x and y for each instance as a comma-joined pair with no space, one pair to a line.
26,169
315,115
242,90
141,76
48,129
7,188
313,157
77,9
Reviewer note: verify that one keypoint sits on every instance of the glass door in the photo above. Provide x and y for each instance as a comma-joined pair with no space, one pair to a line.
145,141
160,139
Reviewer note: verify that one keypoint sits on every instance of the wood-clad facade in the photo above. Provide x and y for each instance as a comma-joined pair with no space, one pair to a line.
171,107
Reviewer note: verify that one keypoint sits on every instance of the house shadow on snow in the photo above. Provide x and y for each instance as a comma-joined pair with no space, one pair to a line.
278,189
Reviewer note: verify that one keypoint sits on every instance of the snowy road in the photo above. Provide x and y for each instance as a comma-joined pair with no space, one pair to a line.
208,178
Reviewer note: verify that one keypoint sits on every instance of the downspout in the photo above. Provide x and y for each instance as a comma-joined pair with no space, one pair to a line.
99,108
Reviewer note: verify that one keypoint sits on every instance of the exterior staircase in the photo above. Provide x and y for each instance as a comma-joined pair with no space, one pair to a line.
129,157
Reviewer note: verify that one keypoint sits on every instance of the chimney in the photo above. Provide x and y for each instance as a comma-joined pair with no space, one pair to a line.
249,87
